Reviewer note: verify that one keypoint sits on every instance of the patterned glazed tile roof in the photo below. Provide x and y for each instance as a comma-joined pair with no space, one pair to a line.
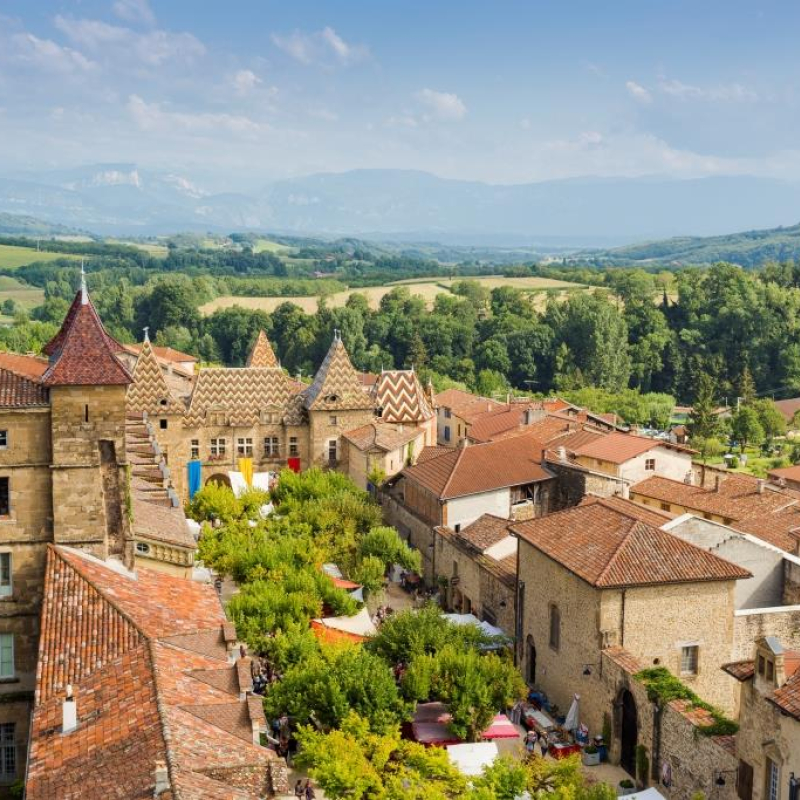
611,548
261,353
82,353
769,513
17,391
32,367
381,436
336,385
240,394
132,689
400,396
149,393
481,468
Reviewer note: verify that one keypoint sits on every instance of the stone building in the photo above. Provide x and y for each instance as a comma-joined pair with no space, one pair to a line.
156,703
768,742
66,478
602,574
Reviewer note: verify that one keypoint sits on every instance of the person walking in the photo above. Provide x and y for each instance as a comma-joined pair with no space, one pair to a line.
309,791
530,741
299,789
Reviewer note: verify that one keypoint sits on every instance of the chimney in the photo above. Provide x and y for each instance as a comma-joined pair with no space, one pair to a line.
69,712
161,774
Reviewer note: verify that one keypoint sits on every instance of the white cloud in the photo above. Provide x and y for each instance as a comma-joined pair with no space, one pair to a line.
47,54
733,92
638,92
135,11
319,47
244,81
153,48
152,117
445,105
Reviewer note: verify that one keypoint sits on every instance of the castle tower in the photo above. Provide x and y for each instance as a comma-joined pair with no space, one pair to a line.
262,354
87,385
335,403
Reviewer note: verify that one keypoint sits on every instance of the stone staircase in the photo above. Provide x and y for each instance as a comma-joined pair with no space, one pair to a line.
149,472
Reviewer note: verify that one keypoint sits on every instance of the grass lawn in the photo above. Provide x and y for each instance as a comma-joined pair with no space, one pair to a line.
268,246
12,256
757,463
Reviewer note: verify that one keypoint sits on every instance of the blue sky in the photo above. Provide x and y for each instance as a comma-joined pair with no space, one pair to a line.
238,93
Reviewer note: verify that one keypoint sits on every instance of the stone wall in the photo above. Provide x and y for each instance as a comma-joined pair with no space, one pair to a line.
415,531
791,583
752,624
574,484
321,430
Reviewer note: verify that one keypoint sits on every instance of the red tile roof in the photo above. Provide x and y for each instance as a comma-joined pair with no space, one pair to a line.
619,447
788,407
28,366
770,514
381,436
142,686
741,670
788,473
611,548
787,697
164,353
481,468
82,353
17,391
487,530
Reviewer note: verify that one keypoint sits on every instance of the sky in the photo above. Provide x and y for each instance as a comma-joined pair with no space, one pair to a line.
241,93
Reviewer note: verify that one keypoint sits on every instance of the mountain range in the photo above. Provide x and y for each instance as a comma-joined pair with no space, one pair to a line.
406,206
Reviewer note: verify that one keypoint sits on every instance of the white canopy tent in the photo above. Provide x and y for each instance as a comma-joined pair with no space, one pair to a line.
473,757
360,624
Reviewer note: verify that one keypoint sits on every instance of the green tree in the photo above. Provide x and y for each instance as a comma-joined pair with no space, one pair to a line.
746,427
772,421
703,422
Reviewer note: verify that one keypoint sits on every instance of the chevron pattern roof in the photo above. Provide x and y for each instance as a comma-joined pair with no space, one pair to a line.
149,391
262,354
240,394
401,396
336,386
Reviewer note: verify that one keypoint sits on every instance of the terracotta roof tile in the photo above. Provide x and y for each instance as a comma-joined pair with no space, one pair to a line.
28,366
461,402
336,385
624,658
789,473
261,354
788,407
82,353
741,670
401,398
481,468
149,393
504,569
17,391
609,548
770,514
787,697
381,435
619,447
431,452
132,689
485,531
240,394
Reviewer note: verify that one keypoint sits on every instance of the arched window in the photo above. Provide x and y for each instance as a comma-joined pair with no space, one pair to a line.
555,627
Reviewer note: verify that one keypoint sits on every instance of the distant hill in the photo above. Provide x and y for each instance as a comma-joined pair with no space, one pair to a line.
406,206
22,225
750,249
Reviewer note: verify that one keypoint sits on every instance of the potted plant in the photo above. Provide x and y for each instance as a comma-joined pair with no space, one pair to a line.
591,756
626,786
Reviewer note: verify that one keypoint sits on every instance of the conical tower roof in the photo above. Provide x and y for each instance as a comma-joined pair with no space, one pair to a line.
82,353
336,385
149,392
262,354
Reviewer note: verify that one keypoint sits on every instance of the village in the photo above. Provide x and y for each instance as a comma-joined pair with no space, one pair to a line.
643,607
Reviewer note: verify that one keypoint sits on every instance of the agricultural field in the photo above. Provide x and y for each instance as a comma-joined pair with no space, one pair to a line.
12,256
267,246
25,296
540,289
151,248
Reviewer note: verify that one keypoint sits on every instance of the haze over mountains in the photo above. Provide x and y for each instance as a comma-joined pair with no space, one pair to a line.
591,212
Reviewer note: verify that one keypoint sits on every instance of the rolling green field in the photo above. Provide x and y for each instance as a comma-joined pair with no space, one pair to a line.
267,246
151,248
12,256
539,288
25,296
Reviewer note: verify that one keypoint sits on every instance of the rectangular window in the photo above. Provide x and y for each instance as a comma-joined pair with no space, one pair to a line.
8,752
744,781
772,788
294,449
770,674
5,574
333,420
6,655
447,413
218,447
5,498
244,446
689,656
271,447
447,433
195,448
650,464
761,663
665,506
333,451
555,628
162,424
3,440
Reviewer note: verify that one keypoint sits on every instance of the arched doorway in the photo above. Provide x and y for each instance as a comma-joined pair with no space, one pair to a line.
530,673
221,479
629,734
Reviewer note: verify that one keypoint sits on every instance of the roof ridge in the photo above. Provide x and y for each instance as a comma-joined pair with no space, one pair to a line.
621,546
166,734
446,486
